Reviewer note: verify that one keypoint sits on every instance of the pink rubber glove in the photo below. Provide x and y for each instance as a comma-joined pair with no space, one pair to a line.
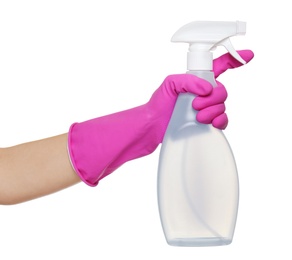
99,146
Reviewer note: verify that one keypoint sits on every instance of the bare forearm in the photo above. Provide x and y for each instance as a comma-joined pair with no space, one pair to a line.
35,169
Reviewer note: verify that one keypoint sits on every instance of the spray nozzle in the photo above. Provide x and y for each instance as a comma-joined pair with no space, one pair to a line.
205,36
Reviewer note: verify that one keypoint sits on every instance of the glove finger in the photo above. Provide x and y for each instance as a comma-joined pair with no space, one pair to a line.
183,83
217,96
207,115
226,61
220,121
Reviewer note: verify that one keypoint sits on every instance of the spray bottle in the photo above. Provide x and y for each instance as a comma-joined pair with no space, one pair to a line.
198,186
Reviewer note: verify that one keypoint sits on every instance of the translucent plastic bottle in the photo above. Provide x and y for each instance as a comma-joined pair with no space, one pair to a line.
197,176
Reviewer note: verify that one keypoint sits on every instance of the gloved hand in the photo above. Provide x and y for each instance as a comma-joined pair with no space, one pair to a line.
99,146
211,108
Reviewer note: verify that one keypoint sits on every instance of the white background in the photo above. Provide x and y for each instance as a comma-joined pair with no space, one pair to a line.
67,61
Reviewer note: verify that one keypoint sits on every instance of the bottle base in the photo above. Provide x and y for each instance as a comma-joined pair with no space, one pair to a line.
199,242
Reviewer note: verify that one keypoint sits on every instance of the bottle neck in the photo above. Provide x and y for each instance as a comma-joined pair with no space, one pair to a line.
200,60
204,74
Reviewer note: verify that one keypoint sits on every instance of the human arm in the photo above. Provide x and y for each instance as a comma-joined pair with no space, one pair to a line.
35,169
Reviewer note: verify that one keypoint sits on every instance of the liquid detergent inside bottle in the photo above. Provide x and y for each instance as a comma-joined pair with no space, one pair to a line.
197,176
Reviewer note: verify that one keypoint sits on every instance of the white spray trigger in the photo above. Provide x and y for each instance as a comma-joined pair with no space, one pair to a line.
203,37
229,47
